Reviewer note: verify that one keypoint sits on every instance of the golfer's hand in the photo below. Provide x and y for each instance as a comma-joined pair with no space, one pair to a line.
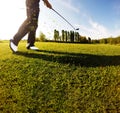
47,4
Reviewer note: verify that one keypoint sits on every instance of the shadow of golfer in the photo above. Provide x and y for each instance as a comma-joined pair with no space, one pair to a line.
86,60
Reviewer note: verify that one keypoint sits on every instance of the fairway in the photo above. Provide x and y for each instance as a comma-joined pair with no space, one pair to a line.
60,78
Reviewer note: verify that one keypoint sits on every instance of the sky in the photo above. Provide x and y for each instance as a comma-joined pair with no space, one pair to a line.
94,18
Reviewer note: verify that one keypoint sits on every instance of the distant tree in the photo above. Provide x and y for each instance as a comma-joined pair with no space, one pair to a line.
95,41
118,39
83,39
60,38
76,35
56,35
42,37
66,36
103,41
110,40
63,36
71,36
89,40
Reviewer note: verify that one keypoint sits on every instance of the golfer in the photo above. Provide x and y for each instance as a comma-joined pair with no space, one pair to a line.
29,26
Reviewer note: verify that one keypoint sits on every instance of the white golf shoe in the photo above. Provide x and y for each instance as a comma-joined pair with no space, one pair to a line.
13,47
32,47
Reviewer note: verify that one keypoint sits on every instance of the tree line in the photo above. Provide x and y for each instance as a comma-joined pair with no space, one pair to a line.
75,37
110,40
70,36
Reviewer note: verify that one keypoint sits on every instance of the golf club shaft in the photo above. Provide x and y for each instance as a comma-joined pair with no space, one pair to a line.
64,19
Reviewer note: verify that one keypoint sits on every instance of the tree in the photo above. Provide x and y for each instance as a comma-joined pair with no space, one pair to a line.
95,41
103,41
56,35
71,36
42,37
83,39
66,36
89,40
63,37
76,35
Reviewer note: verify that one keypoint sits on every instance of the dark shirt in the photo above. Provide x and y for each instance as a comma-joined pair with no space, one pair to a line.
32,3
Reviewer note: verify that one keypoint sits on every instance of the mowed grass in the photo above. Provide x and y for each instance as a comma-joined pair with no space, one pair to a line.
60,78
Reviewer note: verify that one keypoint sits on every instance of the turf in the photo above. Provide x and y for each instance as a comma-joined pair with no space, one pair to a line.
60,78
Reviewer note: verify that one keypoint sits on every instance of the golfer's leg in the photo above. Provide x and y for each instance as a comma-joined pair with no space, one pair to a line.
31,38
33,16
23,30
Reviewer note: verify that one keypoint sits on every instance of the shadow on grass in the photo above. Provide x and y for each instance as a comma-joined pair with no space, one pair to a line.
86,60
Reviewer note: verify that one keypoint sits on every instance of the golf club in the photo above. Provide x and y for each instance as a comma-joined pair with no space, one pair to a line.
65,20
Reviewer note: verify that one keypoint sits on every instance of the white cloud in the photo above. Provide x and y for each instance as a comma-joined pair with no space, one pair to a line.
94,30
98,28
116,33
69,5
97,31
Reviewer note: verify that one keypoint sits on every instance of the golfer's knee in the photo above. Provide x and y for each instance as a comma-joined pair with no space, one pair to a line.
33,27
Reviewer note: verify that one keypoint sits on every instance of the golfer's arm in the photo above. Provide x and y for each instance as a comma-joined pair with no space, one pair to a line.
46,2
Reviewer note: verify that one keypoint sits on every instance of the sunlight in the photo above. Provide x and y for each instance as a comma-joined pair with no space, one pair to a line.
12,15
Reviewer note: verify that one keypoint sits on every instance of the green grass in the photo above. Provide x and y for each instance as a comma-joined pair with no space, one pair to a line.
60,78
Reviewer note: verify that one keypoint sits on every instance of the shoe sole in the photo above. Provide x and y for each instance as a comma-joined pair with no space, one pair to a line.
34,49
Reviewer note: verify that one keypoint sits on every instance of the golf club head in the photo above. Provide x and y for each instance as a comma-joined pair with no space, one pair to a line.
77,29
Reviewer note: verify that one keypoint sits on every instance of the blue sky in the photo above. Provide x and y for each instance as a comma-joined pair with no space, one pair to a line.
95,18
